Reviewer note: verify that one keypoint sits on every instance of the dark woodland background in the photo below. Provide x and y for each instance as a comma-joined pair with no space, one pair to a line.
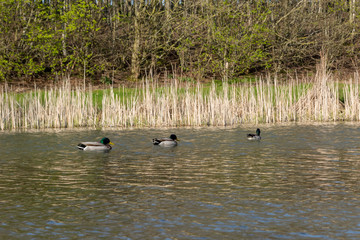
127,39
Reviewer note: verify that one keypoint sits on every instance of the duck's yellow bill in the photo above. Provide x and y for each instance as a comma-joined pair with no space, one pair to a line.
111,143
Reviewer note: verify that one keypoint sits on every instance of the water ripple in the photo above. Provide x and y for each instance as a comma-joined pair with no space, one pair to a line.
214,185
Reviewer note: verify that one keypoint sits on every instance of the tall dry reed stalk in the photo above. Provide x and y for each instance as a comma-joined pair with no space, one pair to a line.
58,107
184,104
321,102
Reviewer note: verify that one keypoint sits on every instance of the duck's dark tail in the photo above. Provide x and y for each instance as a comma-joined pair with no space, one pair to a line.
81,146
156,141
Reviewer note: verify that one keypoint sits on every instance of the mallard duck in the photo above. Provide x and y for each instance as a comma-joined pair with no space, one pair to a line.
103,145
166,142
256,136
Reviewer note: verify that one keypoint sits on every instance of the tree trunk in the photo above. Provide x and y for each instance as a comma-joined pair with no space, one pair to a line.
135,60
352,10
167,9
63,35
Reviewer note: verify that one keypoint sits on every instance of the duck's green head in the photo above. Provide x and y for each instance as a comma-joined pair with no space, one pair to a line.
106,141
258,132
174,137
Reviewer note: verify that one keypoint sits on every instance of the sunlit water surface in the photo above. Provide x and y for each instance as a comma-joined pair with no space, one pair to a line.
298,182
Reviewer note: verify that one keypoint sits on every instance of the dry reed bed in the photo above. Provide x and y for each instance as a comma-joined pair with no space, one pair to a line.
179,104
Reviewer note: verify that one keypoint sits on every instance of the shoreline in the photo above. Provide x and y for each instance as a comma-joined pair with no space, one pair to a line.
248,126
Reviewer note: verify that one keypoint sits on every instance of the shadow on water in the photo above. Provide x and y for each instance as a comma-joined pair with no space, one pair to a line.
299,181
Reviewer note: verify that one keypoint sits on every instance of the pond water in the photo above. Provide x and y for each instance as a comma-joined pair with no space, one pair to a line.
298,182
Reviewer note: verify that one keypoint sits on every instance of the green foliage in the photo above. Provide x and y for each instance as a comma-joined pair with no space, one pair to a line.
79,30
106,80
5,67
199,39
54,39
224,42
